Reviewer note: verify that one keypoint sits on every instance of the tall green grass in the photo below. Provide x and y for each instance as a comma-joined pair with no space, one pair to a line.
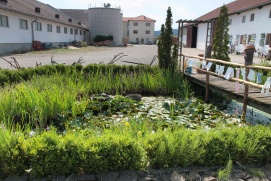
40,100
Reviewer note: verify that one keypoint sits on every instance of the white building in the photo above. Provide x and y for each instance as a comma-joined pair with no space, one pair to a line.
22,22
138,29
250,23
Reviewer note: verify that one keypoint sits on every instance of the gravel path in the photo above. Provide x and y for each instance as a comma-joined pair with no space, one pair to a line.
135,53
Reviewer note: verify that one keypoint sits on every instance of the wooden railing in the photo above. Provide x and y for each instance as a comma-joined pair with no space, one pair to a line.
236,65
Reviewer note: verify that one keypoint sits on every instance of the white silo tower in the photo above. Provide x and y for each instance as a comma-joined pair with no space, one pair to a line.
106,20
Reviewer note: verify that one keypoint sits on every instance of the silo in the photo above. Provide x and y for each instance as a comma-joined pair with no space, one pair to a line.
106,21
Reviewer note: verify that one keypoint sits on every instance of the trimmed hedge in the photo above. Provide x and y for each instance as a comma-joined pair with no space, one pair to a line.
52,154
128,148
16,76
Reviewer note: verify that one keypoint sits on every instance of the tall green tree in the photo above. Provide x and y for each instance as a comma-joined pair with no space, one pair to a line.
166,55
221,37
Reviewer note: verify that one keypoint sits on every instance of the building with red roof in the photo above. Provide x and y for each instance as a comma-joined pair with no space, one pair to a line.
22,22
250,23
138,29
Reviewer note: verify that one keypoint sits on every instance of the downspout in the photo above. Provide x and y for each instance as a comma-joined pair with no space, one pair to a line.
32,28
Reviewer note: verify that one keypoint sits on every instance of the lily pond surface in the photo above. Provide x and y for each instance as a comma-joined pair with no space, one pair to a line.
162,111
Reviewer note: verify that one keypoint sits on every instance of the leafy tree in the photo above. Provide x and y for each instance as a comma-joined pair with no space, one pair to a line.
221,39
166,55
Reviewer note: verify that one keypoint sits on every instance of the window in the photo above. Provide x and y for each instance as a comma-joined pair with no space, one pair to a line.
49,28
243,19
148,24
3,21
230,21
268,38
76,31
84,33
137,39
135,23
270,13
38,26
58,29
252,17
251,39
236,42
23,24
80,32
127,33
148,32
65,30
243,39
71,31
135,32
230,39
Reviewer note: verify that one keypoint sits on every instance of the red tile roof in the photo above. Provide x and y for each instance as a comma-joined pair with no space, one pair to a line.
47,12
126,18
139,18
236,6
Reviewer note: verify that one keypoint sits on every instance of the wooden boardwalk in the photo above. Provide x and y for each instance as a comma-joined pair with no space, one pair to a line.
255,98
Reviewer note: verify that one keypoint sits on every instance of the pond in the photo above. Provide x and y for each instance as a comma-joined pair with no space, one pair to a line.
162,111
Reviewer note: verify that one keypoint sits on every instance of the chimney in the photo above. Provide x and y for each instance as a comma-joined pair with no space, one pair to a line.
37,9
79,23
57,16
70,20
4,1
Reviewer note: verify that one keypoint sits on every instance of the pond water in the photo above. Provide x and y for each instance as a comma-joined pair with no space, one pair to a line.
253,116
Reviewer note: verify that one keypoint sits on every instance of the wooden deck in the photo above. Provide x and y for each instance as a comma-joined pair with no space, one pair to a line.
255,97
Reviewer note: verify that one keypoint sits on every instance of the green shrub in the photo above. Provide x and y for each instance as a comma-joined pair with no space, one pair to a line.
130,146
13,159
100,38
3,78
62,69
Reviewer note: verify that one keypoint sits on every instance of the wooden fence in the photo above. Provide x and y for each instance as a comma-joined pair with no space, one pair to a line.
246,82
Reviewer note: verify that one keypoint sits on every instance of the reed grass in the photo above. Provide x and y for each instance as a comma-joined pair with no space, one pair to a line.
40,100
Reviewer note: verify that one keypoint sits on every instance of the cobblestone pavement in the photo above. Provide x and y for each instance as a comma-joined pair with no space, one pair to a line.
135,53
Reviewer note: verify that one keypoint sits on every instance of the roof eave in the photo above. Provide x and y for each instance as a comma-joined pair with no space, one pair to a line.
250,8
18,12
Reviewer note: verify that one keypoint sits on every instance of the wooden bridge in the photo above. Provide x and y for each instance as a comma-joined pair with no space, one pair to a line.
212,81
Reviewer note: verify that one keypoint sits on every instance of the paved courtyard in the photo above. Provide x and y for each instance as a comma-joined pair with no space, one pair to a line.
134,53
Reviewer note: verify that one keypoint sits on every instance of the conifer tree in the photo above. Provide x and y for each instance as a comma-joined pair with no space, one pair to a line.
166,56
221,37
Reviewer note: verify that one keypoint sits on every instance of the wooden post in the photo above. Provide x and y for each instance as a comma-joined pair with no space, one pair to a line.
207,86
183,64
249,51
181,43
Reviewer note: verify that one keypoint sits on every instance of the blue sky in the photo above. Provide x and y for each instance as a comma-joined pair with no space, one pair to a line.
155,9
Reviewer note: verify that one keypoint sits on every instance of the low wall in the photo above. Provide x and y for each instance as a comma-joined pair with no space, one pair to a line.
15,48
7,48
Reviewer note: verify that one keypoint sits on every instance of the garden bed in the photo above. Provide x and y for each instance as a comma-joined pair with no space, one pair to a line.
54,123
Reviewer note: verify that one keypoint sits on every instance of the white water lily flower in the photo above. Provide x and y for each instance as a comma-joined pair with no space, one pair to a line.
32,133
